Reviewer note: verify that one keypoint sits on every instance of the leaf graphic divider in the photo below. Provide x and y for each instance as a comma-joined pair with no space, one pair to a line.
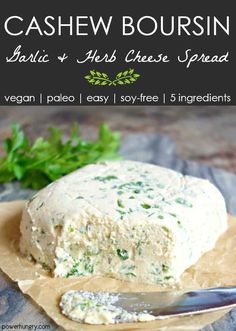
122,78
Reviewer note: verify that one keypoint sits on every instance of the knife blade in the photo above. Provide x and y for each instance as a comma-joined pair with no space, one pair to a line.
178,303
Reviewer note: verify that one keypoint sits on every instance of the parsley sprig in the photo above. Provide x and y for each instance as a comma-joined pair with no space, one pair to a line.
46,159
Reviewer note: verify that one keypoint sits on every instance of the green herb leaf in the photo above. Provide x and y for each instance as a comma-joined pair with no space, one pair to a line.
120,203
136,191
145,206
38,163
122,253
74,270
165,268
184,202
105,178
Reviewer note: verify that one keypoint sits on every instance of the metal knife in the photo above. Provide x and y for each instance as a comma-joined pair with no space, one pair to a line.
178,303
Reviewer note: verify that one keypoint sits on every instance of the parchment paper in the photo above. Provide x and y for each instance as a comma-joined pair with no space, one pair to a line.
215,268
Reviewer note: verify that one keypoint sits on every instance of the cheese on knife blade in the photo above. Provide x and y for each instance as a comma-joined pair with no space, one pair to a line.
124,219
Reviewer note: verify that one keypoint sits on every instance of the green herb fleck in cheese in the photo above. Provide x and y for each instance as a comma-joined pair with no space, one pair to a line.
120,203
123,254
145,205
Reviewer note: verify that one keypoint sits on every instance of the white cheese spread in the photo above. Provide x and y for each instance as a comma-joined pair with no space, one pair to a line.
123,219
98,308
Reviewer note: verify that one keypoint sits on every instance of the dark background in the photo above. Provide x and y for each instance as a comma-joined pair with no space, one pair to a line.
67,78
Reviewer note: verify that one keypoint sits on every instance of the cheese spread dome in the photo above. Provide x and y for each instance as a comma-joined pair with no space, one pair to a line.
124,219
